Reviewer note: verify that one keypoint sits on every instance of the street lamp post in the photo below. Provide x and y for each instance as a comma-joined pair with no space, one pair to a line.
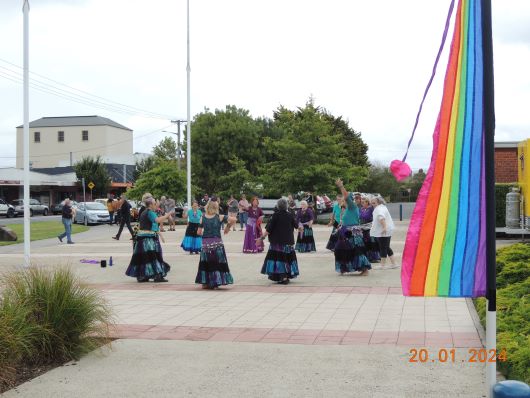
178,141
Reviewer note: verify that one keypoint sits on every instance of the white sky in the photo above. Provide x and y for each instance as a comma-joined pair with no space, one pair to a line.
366,60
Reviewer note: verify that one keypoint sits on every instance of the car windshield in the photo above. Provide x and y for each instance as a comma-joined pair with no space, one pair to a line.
95,206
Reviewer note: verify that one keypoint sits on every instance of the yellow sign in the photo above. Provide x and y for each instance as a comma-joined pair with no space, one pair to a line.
91,185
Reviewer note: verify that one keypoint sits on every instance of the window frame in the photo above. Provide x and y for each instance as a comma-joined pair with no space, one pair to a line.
35,135
60,137
83,135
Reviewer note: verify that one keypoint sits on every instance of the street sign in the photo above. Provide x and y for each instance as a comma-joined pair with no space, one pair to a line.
91,185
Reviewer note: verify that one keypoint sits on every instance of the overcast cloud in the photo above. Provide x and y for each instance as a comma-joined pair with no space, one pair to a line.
366,60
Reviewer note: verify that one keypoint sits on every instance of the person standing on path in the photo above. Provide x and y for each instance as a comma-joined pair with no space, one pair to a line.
382,229
233,207
213,268
125,217
305,217
68,213
110,208
169,208
280,263
349,251
147,261
253,231
243,211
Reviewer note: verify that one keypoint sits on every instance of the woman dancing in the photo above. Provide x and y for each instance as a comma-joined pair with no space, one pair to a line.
349,251
213,266
253,230
335,221
370,243
280,263
147,261
192,241
305,217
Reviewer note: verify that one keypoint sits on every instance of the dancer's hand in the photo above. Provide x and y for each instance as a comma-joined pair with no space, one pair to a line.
339,183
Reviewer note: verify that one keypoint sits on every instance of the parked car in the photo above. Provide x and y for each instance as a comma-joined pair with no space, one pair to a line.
58,207
35,207
91,213
320,205
179,209
7,210
328,202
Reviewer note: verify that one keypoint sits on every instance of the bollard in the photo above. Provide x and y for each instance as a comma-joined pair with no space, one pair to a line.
511,389
401,212
110,261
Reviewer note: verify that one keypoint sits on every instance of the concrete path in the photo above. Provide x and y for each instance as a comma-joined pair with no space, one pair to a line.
322,335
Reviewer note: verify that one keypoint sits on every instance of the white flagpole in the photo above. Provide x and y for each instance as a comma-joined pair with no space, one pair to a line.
27,235
188,125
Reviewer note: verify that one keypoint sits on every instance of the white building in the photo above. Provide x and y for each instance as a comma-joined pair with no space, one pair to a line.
62,141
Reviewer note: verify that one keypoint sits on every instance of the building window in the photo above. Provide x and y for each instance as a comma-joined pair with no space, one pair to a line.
60,136
36,136
85,135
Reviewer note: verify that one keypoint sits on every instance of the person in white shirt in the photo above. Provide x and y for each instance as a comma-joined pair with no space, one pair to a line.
382,229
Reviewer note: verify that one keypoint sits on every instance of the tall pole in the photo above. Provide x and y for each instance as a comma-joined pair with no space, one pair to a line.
178,145
489,145
27,234
188,126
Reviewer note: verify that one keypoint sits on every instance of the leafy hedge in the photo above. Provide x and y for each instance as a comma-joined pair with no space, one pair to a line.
501,190
513,310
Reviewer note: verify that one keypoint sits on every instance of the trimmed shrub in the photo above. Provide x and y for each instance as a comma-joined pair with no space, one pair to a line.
49,317
513,310
501,190
18,337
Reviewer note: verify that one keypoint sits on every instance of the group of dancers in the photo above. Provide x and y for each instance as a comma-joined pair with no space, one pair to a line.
355,242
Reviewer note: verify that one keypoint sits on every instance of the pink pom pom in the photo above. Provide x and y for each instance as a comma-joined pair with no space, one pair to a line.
401,170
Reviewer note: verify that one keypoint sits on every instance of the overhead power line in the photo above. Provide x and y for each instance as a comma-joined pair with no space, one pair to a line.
92,148
50,86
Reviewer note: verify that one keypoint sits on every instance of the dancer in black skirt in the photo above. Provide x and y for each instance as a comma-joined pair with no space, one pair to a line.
305,217
147,261
192,241
213,265
280,263
335,221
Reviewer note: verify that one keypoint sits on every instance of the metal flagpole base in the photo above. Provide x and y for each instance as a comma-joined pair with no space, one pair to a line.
491,344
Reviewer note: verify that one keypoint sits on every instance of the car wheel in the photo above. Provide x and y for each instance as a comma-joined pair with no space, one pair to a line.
85,221
31,213
45,212
10,213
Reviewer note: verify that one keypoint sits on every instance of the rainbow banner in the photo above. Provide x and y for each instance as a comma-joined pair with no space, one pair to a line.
445,249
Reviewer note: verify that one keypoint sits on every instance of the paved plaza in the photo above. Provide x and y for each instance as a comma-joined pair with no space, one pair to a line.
322,335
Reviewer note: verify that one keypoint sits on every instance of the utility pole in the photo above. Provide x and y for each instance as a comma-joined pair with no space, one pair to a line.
178,122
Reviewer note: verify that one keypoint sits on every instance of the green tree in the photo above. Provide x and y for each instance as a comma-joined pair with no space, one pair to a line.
93,170
144,165
309,155
356,148
166,149
220,137
381,180
239,180
163,179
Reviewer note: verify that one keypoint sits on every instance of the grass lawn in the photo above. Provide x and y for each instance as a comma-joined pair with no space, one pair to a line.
42,230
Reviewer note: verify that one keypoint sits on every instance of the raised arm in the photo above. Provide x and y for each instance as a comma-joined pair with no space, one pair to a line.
340,185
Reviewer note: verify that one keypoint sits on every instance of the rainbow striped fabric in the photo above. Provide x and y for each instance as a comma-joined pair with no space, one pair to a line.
445,252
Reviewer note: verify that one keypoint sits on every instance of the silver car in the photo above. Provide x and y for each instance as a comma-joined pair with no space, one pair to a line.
35,207
7,210
91,213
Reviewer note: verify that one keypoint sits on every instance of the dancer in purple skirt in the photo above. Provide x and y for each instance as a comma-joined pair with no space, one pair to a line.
213,265
253,231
